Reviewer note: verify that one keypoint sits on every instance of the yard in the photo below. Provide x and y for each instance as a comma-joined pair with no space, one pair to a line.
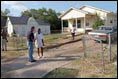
17,46
89,67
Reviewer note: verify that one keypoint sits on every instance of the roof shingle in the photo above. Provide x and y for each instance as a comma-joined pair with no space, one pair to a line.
42,22
19,20
3,21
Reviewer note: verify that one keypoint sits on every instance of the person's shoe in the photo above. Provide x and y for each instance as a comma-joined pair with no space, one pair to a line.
39,57
2,49
42,57
33,61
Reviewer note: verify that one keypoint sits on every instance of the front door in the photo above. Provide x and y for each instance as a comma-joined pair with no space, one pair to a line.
78,23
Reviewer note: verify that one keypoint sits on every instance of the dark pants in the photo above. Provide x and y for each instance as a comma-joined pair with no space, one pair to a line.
73,35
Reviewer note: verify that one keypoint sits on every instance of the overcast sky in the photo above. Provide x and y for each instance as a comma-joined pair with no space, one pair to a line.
16,7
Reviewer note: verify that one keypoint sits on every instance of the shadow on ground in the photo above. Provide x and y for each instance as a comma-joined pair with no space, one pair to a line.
23,62
26,74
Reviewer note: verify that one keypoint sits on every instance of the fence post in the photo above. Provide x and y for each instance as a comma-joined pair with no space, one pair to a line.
102,53
109,47
84,45
17,41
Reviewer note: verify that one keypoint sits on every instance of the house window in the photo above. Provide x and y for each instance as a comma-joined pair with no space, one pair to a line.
78,23
111,21
87,24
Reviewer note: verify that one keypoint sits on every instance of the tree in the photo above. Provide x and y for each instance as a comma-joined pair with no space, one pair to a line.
98,22
2,13
5,13
26,13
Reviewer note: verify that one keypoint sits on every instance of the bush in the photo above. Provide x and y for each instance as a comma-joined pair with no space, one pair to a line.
98,22
13,35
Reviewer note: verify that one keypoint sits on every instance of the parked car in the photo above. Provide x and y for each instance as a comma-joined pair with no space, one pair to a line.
103,32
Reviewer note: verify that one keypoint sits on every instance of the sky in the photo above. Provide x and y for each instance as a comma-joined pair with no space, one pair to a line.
16,7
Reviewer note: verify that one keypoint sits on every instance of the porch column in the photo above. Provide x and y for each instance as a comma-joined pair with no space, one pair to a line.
61,26
84,23
76,23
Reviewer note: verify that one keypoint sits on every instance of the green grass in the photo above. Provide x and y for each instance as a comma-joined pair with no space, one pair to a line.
9,55
17,42
86,70
54,37
62,73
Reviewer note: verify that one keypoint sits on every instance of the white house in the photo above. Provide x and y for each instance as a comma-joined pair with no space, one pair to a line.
84,17
21,25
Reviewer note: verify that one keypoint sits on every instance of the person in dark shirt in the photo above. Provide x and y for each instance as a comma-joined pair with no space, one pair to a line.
31,39
4,39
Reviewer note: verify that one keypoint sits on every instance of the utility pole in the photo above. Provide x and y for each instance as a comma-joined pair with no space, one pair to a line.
109,47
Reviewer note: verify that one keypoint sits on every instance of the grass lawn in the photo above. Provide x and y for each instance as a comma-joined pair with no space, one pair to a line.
52,38
91,70
92,66
85,70
89,67
62,73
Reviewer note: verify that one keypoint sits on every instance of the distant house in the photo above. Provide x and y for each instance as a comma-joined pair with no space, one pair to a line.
3,22
85,17
21,25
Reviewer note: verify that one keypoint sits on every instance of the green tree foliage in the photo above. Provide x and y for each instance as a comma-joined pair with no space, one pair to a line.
5,13
47,15
98,22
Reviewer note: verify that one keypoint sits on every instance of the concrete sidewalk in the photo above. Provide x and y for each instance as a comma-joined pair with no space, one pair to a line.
21,68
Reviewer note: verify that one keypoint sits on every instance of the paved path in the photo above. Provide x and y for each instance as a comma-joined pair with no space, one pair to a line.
54,58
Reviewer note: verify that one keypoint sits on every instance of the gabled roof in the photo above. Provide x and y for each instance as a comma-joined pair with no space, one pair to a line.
42,22
95,8
3,21
18,20
85,12
24,19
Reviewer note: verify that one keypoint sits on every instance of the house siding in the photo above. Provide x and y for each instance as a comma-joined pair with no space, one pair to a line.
44,28
22,29
102,14
9,27
73,14
111,17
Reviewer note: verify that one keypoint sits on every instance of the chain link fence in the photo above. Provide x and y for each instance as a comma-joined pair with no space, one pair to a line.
17,43
98,52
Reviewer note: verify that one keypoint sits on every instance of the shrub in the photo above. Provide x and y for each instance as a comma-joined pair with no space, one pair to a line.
98,22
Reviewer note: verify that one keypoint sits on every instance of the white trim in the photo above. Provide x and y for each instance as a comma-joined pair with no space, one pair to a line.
76,23
95,8
72,9
62,25
84,24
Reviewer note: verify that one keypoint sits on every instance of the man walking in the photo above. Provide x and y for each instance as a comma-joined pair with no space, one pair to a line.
72,30
31,40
